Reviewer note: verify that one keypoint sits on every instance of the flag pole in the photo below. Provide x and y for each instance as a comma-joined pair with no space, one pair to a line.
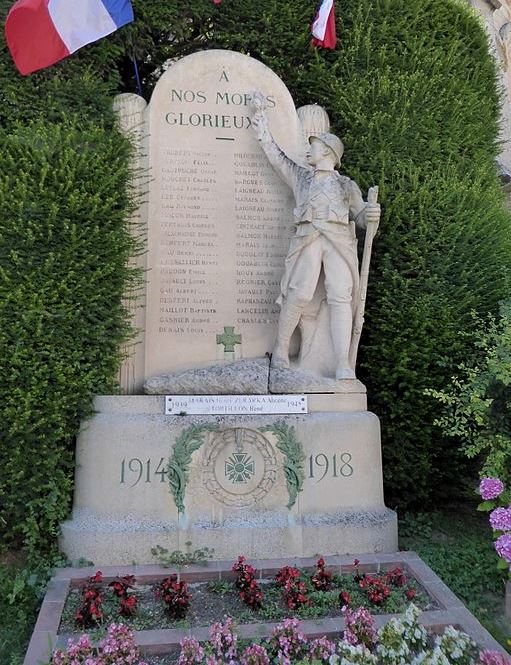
137,75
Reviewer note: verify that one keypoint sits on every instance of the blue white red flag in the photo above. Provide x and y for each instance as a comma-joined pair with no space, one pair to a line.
39,33
323,26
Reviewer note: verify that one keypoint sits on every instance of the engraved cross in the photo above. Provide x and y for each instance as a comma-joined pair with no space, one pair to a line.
228,339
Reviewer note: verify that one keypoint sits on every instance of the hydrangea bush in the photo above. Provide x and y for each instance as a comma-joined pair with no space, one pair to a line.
497,501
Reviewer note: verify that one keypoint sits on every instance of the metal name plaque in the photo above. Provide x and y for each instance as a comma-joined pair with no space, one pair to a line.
221,405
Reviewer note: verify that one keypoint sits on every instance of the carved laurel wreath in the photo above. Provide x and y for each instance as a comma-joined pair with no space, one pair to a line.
294,457
192,438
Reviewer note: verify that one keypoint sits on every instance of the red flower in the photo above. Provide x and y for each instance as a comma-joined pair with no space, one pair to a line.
295,594
121,585
376,589
238,565
252,595
286,573
410,594
250,592
128,606
396,577
321,580
175,595
90,612
345,598
357,576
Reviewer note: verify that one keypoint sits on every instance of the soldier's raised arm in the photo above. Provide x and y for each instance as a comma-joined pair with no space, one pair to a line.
289,170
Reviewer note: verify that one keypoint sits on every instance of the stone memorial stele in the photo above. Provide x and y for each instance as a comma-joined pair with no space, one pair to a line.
250,317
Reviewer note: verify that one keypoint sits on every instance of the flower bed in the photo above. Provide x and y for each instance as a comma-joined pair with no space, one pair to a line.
174,603
163,608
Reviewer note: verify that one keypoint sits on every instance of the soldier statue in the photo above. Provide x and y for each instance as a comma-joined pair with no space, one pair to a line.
328,206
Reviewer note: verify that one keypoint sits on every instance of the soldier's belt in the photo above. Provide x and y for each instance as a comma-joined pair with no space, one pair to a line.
322,221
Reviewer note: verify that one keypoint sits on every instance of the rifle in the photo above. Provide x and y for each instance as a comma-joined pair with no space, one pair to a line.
358,321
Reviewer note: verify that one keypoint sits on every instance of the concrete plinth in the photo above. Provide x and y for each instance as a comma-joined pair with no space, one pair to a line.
263,485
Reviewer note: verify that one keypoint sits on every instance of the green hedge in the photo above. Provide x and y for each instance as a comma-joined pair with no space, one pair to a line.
63,251
411,89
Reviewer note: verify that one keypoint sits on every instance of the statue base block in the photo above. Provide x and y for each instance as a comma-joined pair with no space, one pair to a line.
264,486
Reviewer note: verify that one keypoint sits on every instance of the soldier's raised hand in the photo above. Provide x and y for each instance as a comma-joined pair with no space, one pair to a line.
257,102
260,124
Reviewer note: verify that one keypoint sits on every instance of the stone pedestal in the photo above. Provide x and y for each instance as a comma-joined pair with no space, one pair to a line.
262,485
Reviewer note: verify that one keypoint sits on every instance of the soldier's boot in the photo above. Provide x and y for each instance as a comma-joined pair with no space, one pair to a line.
341,322
288,320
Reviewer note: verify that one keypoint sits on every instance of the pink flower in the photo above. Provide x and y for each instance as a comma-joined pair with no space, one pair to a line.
321,649
493,658
79,652
503,547
287,642
359,627
490,488
191,652
500,519
255,655
224,640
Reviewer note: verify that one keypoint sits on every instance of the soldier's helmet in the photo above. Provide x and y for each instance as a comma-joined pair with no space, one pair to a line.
333,142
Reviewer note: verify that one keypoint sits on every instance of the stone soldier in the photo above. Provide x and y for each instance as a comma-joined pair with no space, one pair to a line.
328,206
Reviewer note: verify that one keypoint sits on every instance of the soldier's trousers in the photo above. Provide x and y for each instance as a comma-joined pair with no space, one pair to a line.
306,270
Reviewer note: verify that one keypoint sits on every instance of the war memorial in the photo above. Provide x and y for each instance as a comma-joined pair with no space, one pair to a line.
244,377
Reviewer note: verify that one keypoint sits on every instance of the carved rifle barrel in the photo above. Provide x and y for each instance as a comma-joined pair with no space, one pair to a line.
372,227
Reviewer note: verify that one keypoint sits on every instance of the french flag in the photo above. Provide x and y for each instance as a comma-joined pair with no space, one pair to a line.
323,26
39,33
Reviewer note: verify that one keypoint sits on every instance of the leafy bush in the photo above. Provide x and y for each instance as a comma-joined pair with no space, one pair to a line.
64,246
22,589
477,403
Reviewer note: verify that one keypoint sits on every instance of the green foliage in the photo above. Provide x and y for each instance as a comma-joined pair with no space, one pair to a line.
221,587
178,559
458,546
21,592
64,246
477,404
